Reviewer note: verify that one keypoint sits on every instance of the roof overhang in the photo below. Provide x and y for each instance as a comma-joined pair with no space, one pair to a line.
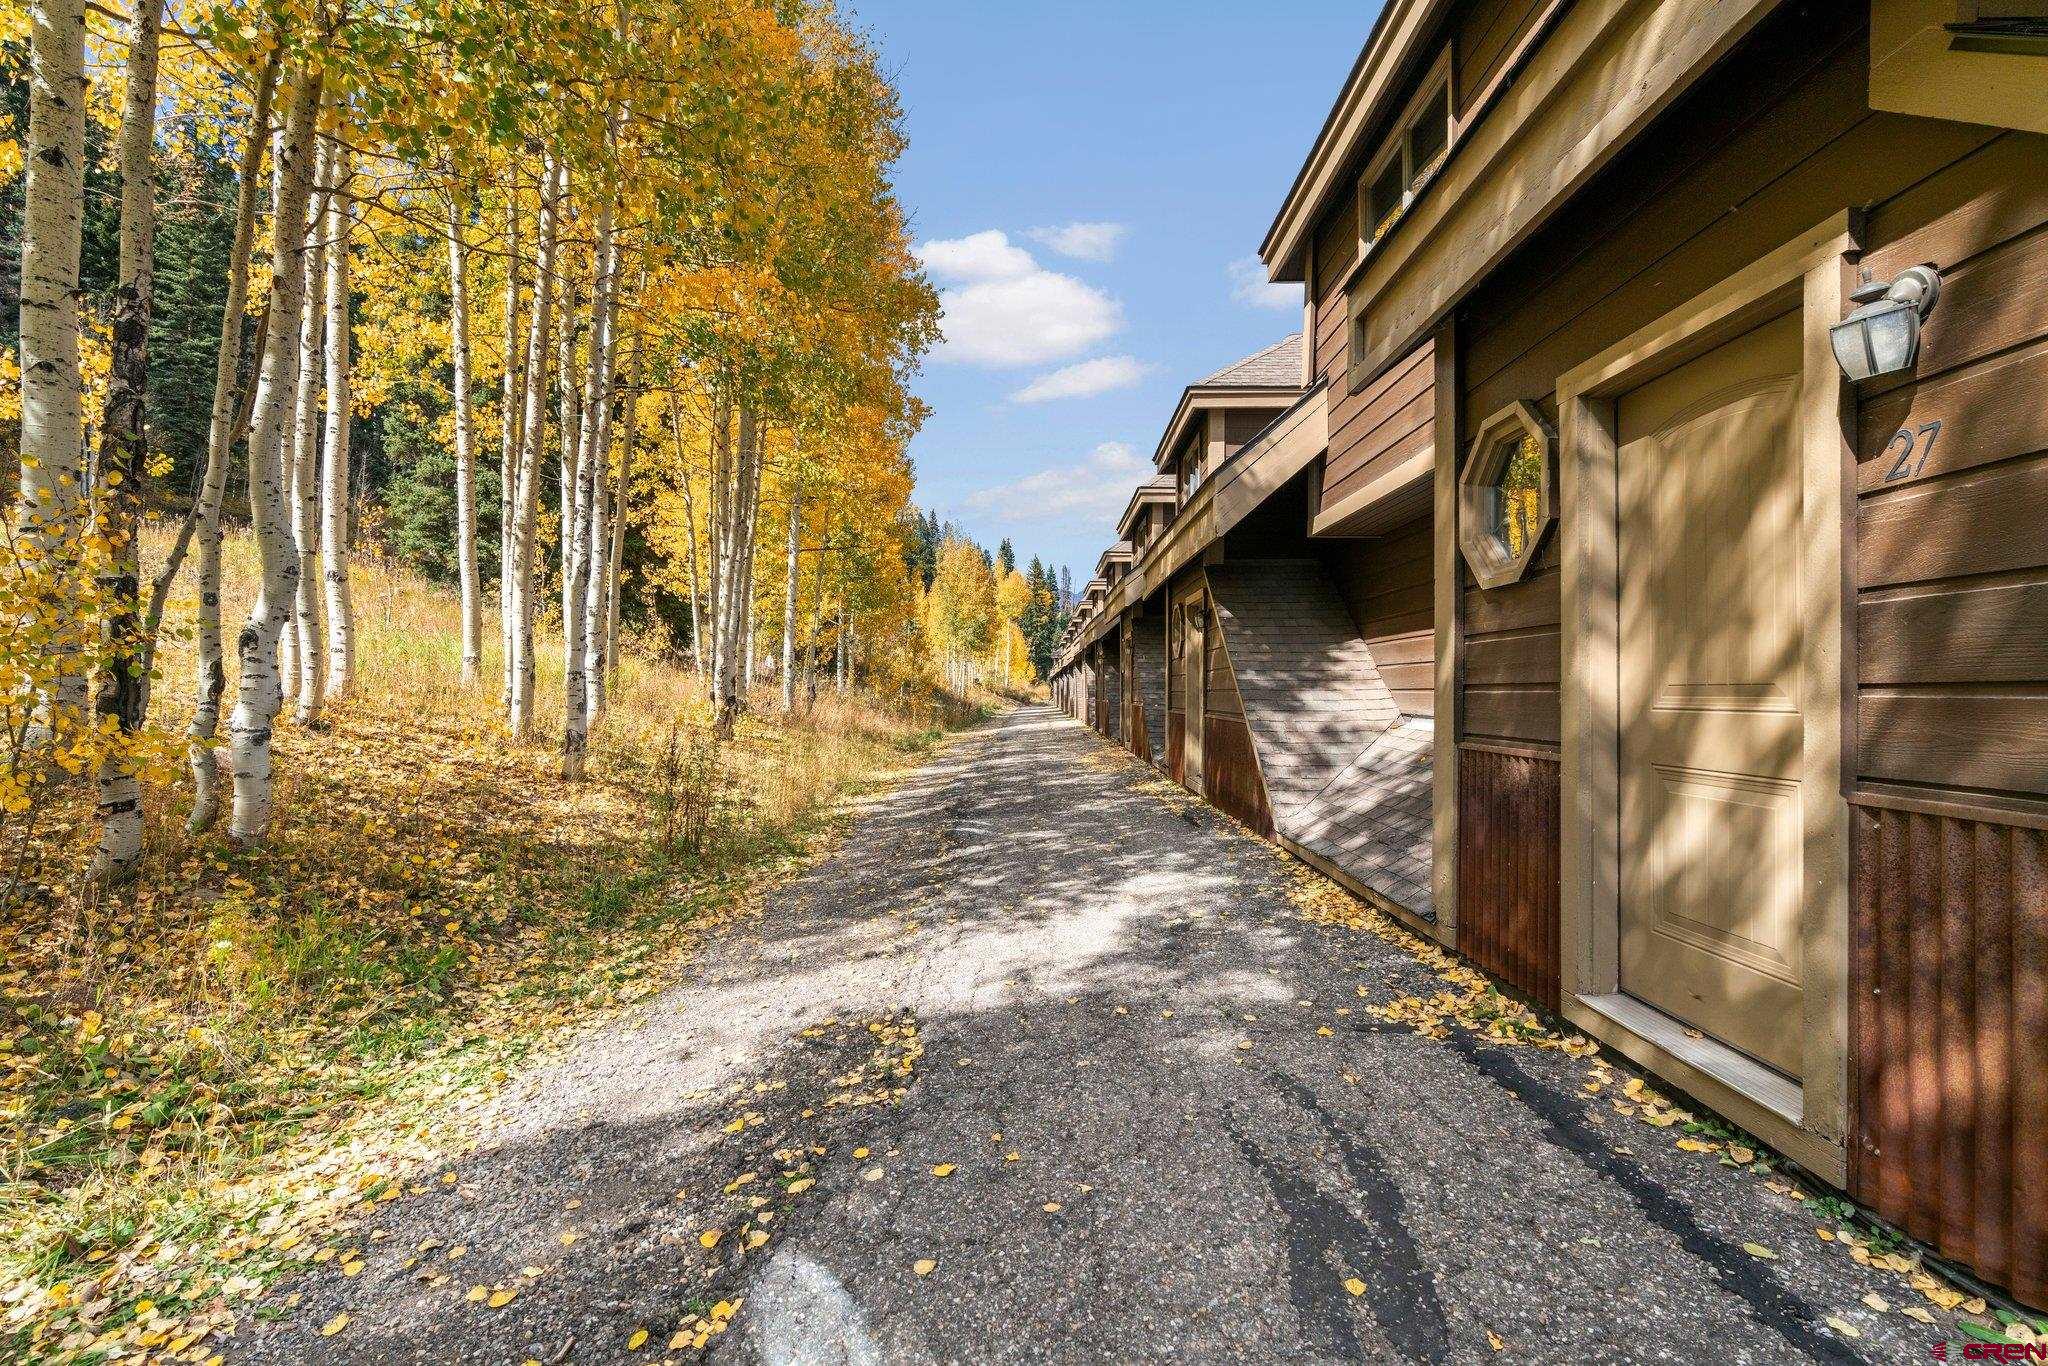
1401,25
1120,553
1152,493
1201,398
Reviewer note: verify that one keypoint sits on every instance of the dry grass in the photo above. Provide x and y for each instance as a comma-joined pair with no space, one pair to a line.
196,1071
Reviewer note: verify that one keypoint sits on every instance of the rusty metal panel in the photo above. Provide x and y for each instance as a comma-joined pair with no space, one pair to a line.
1508,868
1230,772
1948,991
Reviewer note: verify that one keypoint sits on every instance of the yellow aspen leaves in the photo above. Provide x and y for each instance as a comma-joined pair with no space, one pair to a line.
637,1341
943,1169
1353,1286
800,1185
924,1266
1760,1252
708,1239
334,1325
500,1298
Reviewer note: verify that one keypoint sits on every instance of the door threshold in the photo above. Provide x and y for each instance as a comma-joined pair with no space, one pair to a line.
1768,1103
1771,1089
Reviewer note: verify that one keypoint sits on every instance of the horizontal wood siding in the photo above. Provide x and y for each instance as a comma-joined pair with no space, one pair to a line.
1385,423
1484,36
1951,478
1388,583
1176,746
1949,1038
1240,425
1949,915
1508,868
1511,650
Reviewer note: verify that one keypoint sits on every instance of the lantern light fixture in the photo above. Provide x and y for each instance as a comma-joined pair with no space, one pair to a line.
1882,337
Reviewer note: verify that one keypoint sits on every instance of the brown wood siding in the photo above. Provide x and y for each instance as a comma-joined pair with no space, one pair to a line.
1336,249
1242,424
1508,868
1948,969
1387,421
1951,562
1230,766
1949,1037
1388,583
1511,654
1176,746
1484,36
1230,773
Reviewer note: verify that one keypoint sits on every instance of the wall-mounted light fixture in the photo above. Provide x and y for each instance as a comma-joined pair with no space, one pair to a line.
1883,336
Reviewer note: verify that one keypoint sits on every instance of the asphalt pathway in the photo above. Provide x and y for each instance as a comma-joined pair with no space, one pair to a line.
1047,1064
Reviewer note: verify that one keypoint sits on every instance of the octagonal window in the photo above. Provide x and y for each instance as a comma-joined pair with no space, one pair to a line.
1504,499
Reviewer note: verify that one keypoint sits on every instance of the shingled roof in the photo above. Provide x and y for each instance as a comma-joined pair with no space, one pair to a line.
1276,367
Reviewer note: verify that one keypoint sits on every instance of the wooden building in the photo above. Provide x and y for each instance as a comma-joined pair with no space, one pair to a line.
1674,432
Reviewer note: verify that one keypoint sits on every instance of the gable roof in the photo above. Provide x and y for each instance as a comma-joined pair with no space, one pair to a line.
1276,367
1162,489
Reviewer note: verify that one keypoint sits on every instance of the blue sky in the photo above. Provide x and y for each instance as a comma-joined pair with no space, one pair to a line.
1129,155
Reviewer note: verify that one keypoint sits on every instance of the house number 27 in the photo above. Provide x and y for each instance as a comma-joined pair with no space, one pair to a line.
1905,467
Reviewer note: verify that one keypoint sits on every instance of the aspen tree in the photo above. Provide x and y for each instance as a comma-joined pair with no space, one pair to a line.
579,534
306,670
532,434
125,447
511,404
334,469
608,639
465,456
221,425
51,510
260,695
795,520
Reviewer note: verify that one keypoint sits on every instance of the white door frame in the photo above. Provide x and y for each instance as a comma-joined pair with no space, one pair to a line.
1806,1119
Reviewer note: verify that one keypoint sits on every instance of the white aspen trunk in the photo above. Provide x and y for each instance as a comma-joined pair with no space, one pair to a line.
580,535
334,490
465,452
569,433
604,526
511,400
52,507
306,659
789,589
259,694
532,434
615,552
845,633
717,536
212,674
124,452
697,613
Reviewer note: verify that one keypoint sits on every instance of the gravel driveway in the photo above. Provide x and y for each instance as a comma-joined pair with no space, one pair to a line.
1044,1065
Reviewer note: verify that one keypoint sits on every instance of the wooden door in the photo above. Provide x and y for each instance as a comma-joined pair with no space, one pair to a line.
1195,663
1711,832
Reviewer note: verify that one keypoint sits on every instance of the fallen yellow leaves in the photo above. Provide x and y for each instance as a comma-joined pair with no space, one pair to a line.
708,1239
637,1340
333,1325
1760,1252
943,1169
924,1266
1353,1286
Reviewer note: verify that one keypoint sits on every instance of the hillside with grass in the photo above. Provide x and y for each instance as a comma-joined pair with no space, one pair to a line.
202,1071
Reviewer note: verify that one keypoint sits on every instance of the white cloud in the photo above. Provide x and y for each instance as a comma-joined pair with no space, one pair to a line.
1083,241
978,256
1085,493
1248,286
1084,380
1004,309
